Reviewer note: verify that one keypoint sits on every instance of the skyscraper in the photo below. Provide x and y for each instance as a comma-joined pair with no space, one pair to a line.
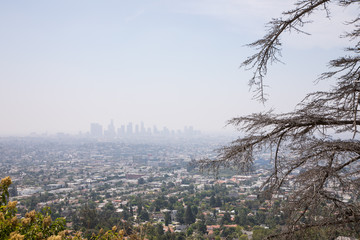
155,130
121,131
129,129
110,133
96,130
142,128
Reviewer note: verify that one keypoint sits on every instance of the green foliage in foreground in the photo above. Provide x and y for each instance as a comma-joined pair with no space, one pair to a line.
39,225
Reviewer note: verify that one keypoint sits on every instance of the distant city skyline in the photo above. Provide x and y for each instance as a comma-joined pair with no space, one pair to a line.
138,129
129,129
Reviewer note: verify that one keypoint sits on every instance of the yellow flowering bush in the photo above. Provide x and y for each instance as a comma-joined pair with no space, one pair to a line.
35,225
16,236
12,205
6,181
54,238
39,225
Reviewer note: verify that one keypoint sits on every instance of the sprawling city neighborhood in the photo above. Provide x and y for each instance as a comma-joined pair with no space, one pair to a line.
140,181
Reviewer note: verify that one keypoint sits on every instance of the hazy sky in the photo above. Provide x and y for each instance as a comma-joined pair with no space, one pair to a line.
67,63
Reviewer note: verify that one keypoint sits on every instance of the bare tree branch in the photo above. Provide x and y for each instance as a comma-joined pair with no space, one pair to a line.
317,150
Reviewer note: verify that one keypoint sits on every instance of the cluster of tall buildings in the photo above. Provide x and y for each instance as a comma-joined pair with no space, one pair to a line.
97,130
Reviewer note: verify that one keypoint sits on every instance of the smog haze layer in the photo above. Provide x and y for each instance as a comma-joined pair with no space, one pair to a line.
67,64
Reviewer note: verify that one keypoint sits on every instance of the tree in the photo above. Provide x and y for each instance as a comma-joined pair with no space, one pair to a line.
189,217
89,216
241,218
131,210
139,209
218,202
201,227
194,210
180,215
260,233
144,215
228,233
319,138
243,237
226,219
141,181
212,201
167,218
159,229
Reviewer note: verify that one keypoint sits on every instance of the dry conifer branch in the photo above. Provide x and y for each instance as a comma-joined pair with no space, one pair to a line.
319,138
268,47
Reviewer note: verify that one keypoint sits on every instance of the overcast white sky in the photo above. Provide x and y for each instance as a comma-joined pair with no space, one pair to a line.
65,64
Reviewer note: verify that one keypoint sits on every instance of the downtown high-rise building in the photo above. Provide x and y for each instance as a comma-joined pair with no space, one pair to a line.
110,132
129,129
96,130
